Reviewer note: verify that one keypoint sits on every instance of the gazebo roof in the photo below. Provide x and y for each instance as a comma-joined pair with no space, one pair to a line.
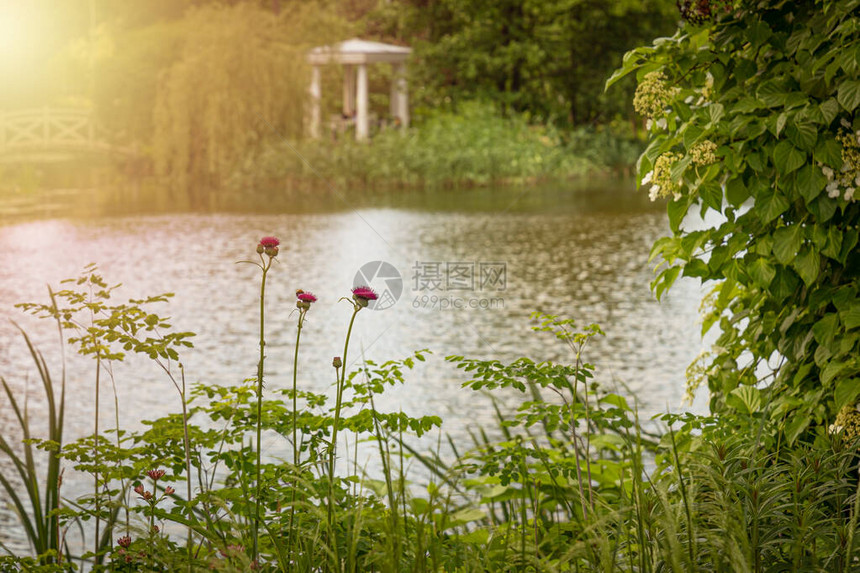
357,51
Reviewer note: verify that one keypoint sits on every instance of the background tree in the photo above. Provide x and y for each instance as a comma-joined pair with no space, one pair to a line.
241,79
546,58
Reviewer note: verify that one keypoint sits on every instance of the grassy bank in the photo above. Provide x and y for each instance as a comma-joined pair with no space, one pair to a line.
473,146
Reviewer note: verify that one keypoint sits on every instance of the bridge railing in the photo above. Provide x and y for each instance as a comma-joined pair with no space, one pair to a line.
47,128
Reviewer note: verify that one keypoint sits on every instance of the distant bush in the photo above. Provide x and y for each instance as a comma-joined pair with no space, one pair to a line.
474,145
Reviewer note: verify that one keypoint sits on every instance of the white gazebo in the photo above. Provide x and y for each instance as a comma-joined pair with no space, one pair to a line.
354,55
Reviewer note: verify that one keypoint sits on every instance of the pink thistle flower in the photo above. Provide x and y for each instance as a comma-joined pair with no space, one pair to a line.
305,296
363,294
269,245
124,542
169,491
155,474
138,489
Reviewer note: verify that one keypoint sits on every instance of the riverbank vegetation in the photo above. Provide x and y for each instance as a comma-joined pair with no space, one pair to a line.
752,113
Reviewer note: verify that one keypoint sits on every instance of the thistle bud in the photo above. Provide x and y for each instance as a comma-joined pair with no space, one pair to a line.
337,362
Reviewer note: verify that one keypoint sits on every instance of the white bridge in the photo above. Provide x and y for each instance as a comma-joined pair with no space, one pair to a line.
50,134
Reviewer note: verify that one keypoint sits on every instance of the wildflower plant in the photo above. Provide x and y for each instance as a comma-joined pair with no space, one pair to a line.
267,249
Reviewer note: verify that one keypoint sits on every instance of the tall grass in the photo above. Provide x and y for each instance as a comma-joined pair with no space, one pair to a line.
37,506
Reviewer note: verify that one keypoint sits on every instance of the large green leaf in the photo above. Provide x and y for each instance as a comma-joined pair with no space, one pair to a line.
746,399
787,157
810,182
851,317
807,264
786,243
784,284
849,94
771,205
762,272
712,195
825,329
846,392
803,135
829,152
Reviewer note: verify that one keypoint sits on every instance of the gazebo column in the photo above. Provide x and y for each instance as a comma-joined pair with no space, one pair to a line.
348,90
399,100
315,95
361,120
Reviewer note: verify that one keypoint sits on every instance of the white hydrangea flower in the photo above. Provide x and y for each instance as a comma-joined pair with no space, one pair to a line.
647,178
833,189
849,194
662,123
828,172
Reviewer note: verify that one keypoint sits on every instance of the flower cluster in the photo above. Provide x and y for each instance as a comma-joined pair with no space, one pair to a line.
144,495
704,153
653,95
268,245
846,182
847,423
661,178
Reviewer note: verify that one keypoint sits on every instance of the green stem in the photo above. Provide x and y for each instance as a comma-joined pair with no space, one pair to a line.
187,444
96,454
295,420
333,449
256,528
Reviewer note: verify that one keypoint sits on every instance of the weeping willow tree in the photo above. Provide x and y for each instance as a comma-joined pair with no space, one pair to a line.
241,79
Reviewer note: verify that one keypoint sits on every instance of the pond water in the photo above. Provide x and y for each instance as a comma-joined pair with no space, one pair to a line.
474,266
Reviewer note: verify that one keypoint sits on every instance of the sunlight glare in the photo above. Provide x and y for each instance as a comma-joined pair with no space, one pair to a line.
16,32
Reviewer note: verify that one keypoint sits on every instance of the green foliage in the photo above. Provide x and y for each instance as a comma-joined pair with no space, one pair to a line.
474,146
546,58
772,87
561,484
